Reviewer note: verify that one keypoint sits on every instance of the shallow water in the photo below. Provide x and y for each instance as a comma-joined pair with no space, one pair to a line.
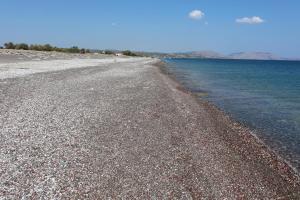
264,95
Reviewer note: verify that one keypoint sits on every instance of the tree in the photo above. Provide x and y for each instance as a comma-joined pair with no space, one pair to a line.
108,52
36,47
9,45
47,47
82,51
73,49
128,53
22,46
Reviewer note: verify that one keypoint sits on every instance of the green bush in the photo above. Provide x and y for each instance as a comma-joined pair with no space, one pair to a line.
74,49
82,51
58,49
46,47
108,52
22,46
9,45
128,53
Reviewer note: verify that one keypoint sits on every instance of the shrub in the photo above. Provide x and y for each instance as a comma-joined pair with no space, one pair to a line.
108,52
57,49
9,45
82,51
22,46
128,53
47,47
35,47
74,49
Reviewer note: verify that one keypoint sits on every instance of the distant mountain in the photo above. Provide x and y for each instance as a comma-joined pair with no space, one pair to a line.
216,55
205,54
254,56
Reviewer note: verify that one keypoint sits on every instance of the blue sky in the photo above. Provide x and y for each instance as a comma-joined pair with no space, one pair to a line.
225,26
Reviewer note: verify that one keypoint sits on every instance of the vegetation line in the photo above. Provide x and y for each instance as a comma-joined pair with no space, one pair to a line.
74,49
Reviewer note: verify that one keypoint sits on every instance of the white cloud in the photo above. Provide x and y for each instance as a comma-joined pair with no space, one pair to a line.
196,14
250,20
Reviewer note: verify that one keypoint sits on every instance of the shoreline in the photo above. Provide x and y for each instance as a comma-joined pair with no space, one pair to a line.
248,138
126,129
25,68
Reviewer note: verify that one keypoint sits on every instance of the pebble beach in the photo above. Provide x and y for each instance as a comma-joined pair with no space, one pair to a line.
104,127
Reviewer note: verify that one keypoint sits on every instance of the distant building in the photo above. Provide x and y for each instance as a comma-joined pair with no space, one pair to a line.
119,54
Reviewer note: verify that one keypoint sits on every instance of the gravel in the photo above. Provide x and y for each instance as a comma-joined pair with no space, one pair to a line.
126,131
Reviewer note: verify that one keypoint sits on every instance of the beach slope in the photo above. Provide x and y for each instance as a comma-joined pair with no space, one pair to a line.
124,130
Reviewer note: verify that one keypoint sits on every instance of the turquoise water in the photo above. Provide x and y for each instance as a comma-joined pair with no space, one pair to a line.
264,95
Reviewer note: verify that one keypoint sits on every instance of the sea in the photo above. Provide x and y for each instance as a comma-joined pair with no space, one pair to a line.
263,95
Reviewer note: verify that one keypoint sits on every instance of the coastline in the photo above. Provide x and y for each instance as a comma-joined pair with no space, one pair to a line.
246,141
18,63
127,130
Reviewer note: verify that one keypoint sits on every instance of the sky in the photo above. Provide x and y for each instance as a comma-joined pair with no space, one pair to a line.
225,26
